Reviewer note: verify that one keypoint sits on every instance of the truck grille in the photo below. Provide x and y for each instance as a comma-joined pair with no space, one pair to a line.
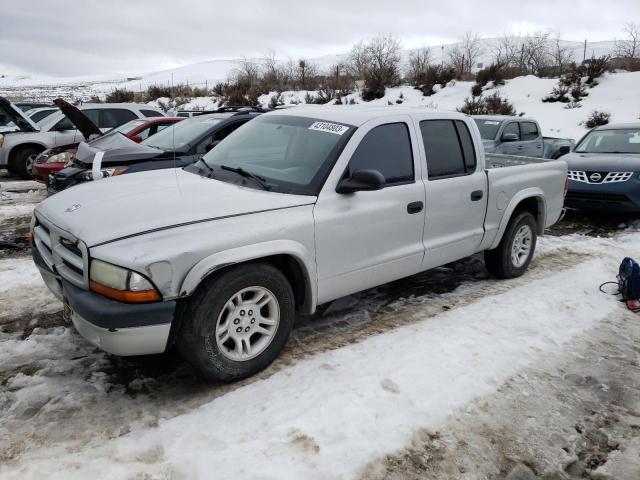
599,177
62,253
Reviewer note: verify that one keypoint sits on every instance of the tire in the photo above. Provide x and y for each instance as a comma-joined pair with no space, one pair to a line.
500,262
210,321
22,162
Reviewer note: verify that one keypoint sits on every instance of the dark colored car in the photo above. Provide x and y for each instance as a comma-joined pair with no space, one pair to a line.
604,170
176,146
55,159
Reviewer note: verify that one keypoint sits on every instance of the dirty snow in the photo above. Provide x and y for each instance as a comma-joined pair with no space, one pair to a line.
328,416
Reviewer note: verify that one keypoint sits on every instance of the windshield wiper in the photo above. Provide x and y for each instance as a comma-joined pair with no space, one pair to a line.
242,172
211,171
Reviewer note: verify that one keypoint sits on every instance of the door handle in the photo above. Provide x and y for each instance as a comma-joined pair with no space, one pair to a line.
476,195
414,207
521,147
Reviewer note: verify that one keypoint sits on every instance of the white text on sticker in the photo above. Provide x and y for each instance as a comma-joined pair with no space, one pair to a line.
328,127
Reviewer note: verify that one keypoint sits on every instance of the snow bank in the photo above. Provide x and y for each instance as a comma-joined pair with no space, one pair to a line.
326,417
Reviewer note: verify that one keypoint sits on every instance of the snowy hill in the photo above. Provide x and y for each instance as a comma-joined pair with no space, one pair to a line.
214,71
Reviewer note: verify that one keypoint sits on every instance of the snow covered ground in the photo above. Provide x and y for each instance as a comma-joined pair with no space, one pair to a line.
378,386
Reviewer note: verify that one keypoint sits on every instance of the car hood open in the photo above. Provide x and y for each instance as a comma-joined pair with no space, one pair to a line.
603,162
12,119
129,205
118,149
78,119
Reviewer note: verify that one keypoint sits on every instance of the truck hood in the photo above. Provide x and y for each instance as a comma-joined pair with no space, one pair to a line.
603,162
78,119
12,119
129,205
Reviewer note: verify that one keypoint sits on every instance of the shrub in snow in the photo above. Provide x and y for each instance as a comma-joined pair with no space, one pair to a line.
437,77
492,104
493,73
276,100
120,96
597,118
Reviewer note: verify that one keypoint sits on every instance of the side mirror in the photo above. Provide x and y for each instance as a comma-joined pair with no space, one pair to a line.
361,180
564,150
136,138
510,137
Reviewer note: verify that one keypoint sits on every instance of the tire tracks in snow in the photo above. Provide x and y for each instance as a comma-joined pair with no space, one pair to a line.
122,394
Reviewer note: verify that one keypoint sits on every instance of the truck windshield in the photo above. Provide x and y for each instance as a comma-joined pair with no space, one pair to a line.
292,154
625,140
488,128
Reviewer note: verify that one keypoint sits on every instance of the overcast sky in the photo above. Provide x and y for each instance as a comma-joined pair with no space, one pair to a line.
65,38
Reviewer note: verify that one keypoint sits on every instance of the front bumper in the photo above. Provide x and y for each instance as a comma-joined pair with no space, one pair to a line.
115,327
613,197
41,171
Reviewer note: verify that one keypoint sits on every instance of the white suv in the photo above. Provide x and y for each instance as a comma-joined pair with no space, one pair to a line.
22,140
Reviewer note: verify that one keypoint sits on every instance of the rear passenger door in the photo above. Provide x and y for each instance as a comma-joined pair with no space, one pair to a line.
530,140
367,238
456,192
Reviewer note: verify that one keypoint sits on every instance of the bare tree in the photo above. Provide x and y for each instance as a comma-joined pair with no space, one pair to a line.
464,55
377,63
419,61
629,48
536,53
306,72
508,51
562,56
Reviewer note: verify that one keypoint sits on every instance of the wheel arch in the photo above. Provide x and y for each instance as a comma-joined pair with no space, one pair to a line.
21,146
291,258
530,200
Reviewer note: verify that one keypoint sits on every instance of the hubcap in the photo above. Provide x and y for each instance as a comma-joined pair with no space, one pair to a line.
247,323
521,247
29,162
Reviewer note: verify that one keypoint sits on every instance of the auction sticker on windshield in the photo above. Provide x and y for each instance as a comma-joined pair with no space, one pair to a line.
328,127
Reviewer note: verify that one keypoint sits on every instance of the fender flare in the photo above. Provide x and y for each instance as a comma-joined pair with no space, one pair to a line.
225,258
533,192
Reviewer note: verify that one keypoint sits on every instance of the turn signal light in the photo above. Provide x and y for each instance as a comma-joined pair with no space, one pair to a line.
128,296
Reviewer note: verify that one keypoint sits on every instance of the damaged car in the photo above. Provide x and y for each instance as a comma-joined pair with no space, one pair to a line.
21,139
177,146
55,159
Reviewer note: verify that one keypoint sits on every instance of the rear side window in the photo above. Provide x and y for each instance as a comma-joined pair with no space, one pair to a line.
448,148
528,131
114,117
467,146
150,113
386,148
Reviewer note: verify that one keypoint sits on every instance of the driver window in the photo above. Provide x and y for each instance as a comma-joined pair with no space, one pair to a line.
512,128
387,149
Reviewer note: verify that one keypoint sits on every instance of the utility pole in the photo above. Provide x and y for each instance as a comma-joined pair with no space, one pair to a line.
584,53
442,57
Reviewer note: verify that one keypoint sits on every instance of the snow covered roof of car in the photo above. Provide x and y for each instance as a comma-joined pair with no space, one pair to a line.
358,114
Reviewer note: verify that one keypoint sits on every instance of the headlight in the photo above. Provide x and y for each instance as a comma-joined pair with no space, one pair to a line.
121,284
63,157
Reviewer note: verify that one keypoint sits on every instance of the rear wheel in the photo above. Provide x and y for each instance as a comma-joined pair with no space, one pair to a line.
23,160
512,256
237,324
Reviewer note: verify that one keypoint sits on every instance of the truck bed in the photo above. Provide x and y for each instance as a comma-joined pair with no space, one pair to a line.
498,160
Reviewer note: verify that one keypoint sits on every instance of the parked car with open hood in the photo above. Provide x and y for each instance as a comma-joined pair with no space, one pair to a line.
176,146
37,114
24,139
519,136
293,210
55,159
604,169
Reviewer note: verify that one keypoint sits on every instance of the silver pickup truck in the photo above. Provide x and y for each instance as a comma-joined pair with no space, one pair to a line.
292,210
519,136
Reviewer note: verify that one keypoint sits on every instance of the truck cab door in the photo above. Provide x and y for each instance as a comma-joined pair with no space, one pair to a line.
531,144
456,192
367,238
507,145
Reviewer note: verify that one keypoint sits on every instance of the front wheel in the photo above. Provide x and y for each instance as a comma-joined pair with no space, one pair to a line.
237,324
512,256
23,160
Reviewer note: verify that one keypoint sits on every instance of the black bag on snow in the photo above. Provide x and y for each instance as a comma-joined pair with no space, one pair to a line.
629,279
